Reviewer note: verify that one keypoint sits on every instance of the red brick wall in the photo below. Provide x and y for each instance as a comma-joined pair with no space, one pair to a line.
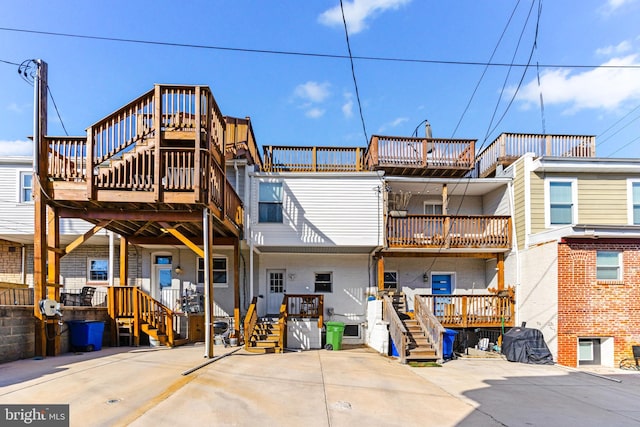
587,308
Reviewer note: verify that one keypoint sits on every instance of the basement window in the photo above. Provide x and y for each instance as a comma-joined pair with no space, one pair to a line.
323,282
391,280
352,331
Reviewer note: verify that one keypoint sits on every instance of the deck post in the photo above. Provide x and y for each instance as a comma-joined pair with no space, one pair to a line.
53,267
500,266
380,275
236,288
197,146
124,260
157,125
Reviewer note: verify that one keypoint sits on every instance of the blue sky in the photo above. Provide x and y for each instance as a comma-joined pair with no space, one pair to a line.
311,100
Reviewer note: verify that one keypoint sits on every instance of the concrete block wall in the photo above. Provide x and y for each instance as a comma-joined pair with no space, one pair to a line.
588,308
18,325
17,330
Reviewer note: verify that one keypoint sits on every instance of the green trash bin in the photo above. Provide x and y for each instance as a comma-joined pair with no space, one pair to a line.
335,330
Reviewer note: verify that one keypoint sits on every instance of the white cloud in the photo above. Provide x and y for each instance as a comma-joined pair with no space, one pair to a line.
613,5
313,91
600,88
620,48
347,107
16,148
393,124
358,12
314,113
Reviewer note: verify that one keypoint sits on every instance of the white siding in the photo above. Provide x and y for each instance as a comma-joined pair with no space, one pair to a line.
322,210
496,202
537,295
15,217
350,281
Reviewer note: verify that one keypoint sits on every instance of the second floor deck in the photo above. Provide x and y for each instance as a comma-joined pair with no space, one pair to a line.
162,152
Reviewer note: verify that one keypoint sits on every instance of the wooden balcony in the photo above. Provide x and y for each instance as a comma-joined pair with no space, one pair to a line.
161,152
450,232
313,159
420,156
471,311
508,147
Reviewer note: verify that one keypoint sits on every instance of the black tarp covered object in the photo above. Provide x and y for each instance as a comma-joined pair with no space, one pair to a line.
526,345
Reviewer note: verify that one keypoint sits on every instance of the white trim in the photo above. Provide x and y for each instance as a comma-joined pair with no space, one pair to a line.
89,260
527,198
214,257
547,201
19,174
630,182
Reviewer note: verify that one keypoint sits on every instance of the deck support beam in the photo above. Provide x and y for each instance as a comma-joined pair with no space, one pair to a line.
380,275
53,276
124,260
236,287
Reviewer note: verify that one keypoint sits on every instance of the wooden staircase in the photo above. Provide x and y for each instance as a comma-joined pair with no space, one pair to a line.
265,338
419,347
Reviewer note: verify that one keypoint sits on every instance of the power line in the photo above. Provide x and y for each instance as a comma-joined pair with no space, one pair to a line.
609,128
353,74
495,49
56,108
310,54
9,62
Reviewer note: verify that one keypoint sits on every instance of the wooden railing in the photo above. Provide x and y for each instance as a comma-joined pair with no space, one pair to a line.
131,302
15,294
463,311
305,306
430,325
513,145
397,331
250,321
282,324
448,231
313,159
393,151
67,158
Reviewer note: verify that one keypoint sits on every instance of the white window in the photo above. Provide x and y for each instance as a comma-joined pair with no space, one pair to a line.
433,207
323,282
391,280
633,200
270,202
561,205
97,270
220,273
608,265
26,187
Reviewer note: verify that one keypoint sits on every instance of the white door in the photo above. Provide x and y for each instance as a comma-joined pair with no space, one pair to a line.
275,290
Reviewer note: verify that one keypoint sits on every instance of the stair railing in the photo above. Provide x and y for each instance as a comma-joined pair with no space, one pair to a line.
429,324
282,323
250,321
131,302
396,328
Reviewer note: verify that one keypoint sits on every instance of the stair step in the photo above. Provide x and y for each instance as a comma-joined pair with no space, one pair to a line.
263,343
262,350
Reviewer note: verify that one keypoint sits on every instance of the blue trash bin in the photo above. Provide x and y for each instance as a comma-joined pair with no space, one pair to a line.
448,338
85,335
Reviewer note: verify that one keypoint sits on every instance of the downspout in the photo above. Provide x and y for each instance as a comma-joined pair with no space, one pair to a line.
111,249
23,267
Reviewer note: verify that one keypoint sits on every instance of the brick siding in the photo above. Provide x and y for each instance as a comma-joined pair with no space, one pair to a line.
587,308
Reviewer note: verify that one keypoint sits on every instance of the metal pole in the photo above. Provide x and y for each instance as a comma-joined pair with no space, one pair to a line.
207,306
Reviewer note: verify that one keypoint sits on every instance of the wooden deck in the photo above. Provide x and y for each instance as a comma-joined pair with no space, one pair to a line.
508,147
420,156
449,231
161,153
471,311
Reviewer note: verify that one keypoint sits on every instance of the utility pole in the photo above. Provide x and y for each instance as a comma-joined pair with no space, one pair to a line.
40,217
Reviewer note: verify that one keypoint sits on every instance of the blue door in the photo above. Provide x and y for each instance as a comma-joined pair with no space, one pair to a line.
441,285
